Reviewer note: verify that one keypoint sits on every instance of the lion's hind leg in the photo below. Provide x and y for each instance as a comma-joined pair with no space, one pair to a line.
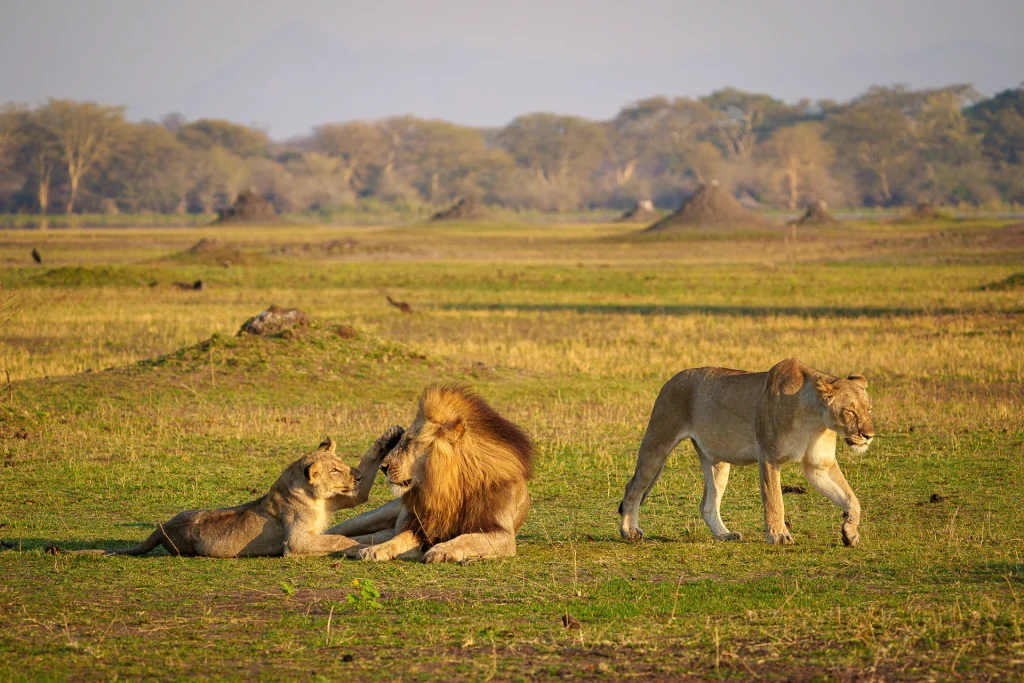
716,478
650,462
832,484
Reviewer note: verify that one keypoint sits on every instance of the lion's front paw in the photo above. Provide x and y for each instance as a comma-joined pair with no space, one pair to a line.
376,553
731,536
850,535
634,534
441,554
779,538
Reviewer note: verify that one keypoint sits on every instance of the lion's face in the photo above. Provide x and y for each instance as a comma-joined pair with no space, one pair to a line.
399,464
846,408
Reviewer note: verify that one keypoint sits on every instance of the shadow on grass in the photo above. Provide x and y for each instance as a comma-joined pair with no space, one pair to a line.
739,311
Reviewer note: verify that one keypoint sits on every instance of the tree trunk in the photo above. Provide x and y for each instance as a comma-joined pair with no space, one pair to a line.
794,187
70,208
44,193
883,179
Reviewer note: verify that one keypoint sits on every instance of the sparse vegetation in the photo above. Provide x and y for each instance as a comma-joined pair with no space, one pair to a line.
131,402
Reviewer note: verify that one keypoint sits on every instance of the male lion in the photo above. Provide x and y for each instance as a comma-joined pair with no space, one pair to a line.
789,414
461,471
289,520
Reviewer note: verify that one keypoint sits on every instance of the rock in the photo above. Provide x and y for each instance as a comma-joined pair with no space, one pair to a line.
274,320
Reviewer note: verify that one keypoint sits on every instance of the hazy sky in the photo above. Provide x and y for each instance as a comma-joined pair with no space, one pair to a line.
144,52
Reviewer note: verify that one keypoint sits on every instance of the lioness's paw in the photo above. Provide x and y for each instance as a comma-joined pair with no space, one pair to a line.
850,537
780,538
634,534
439,554
389,439
731,536
376,553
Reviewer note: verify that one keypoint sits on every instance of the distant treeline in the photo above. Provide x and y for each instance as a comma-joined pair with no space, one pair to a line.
890,146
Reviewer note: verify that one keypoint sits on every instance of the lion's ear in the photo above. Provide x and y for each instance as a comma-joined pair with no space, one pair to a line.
327,446
858,379
824,387
451,432
309,472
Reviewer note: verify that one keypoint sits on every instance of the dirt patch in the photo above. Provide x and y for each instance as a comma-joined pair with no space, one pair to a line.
642,212
710,206
789,488
817,213
464,208
249,207
274,320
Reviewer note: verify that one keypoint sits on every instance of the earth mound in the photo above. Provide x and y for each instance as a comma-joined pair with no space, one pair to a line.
710,206
274,321
213,252
817,213
464,208
643,212
249,207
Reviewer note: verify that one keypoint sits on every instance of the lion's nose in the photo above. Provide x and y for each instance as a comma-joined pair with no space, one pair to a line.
384,469
868,435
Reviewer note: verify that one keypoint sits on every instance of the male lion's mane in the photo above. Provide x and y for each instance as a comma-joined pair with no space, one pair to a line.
474,459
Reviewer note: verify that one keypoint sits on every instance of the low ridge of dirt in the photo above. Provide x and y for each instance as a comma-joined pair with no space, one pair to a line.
817,213
464,208
642,212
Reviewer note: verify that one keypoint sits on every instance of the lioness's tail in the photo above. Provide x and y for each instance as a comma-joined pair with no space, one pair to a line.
156,538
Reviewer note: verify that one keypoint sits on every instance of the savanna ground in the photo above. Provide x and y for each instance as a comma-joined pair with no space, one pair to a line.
131,400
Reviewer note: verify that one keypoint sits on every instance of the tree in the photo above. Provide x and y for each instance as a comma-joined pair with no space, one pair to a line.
874,138
40,154
12,120
797,152
205,134
356,144
85,132
218,175
149,170
1000,122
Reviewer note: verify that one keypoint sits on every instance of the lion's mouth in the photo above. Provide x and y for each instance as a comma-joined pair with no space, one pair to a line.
402,484
859,445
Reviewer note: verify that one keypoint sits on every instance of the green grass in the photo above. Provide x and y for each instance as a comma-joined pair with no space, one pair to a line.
131,402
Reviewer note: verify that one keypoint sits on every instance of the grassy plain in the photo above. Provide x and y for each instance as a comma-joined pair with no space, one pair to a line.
131,400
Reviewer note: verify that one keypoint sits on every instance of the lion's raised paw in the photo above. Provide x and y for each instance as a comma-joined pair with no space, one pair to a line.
850,539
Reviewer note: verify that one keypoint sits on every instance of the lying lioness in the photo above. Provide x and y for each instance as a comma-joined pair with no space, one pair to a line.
789,414
289,520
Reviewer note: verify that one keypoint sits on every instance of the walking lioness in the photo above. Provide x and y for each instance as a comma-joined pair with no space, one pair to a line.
789,414
289,520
